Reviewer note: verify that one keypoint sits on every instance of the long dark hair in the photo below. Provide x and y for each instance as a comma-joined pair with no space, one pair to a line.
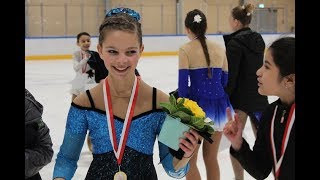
196,21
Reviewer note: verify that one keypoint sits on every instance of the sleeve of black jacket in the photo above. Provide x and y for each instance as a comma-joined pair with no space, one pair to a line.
234,55
38,143
257,162
96,63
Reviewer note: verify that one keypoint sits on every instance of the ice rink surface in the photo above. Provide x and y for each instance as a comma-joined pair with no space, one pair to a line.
49,81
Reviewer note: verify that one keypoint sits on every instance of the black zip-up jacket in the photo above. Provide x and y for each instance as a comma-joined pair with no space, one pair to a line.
38,144
245,51
259,161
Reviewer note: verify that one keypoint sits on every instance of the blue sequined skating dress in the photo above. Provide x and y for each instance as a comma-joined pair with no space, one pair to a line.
207,92
137,160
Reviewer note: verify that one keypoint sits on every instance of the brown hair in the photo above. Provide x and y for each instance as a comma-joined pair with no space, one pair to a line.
121,21
243,13
81,34
199,29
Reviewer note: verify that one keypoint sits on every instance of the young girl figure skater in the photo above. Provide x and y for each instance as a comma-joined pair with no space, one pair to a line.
204,62
84,78
121,114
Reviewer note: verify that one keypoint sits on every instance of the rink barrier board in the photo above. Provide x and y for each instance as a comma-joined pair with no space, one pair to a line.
167,45
69,56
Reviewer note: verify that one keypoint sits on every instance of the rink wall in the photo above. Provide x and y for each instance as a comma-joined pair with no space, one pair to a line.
55,48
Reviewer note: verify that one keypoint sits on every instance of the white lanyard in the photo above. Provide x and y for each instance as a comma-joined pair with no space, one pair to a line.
285,138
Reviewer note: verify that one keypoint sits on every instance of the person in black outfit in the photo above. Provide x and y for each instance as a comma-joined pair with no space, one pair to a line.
245,50
38,144
276,77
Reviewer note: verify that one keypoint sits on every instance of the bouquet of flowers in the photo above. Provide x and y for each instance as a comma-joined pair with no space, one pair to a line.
188,113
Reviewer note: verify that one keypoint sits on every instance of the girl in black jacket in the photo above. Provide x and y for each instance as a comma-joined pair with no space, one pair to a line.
38,145
274,147
245,49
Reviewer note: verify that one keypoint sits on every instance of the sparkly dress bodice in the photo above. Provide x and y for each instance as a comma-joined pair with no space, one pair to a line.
208,92
137,160
202,86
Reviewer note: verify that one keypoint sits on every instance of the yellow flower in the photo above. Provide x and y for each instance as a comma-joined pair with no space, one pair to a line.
190,113
194,107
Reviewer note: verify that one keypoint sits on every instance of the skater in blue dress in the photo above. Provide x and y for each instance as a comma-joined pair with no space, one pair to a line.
203,75
121,114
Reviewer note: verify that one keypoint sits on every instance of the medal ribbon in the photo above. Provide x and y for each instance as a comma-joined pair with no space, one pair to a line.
285,138
126,125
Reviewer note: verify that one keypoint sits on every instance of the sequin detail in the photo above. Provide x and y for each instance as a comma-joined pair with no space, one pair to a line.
138,152
76,121
142,133
134,164
209,93
202,86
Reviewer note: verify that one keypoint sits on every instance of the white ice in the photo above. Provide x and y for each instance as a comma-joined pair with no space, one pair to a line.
49,81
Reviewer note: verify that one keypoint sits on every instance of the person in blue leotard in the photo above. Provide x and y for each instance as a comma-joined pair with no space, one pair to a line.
121,114
203,74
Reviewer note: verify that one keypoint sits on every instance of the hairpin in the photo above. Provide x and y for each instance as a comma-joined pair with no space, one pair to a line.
197,18
128,11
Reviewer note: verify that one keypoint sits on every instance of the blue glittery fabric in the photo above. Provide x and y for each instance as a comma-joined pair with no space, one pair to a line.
208,93
138,152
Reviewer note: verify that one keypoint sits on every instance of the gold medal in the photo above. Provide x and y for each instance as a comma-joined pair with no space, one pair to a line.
118,149
120,176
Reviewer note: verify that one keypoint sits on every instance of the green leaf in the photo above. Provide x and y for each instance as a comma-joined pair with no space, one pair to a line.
186,120
180,103
168,108
209,129
192,127
173,100
182,115
178,110
186,110
197,122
